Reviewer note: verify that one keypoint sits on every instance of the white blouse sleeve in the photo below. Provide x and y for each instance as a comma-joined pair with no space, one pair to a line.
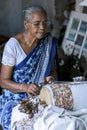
8,57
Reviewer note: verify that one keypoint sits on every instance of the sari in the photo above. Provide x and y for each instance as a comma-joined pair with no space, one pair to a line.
32,69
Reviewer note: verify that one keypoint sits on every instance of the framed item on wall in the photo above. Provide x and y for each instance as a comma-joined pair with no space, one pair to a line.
76,35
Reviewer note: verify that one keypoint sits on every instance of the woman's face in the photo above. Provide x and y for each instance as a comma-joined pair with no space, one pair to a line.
36,27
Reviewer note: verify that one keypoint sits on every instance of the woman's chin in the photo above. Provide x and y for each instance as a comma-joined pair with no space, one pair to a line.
41,35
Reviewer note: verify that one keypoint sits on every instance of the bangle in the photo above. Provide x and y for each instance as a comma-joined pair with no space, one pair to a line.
24,88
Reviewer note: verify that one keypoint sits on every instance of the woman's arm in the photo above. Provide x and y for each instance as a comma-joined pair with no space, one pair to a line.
7,83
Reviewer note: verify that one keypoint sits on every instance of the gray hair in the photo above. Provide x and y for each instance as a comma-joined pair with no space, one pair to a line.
30,10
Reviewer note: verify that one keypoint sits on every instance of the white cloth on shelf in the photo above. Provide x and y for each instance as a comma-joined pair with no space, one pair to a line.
83,3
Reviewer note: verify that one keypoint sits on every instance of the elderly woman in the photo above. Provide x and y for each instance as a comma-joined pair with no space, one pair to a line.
27,61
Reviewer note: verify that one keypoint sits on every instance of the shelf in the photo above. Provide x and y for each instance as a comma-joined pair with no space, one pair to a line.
76,34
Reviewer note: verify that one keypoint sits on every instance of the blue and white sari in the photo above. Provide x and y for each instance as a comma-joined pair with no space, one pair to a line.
32,69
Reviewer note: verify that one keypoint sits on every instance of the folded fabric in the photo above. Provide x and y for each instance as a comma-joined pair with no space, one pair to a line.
55,118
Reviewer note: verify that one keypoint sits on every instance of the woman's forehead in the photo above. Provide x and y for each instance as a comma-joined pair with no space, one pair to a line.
38,15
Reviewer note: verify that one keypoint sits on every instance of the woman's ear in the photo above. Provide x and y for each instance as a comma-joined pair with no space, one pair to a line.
26,24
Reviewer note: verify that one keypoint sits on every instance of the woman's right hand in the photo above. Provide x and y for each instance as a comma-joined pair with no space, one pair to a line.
32,89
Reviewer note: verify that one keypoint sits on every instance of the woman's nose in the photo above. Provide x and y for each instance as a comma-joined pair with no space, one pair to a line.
43,25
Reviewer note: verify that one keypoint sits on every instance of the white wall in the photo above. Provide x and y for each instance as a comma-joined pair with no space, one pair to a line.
11,21
10,17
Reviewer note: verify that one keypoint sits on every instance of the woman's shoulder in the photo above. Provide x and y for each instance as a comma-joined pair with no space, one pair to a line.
11,42
14,40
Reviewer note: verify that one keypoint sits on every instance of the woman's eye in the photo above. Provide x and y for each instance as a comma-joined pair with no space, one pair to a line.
36,24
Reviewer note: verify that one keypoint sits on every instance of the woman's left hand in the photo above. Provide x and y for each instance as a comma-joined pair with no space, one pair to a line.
48,79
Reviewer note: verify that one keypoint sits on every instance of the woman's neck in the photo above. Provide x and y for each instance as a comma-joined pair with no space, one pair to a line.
29,40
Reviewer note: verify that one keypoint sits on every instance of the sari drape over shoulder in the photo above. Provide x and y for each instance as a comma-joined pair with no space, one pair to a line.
32,69
37,64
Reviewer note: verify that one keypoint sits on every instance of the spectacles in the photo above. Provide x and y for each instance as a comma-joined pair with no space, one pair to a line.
37,24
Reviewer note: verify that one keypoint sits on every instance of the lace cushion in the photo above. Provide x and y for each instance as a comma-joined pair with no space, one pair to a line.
57,94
